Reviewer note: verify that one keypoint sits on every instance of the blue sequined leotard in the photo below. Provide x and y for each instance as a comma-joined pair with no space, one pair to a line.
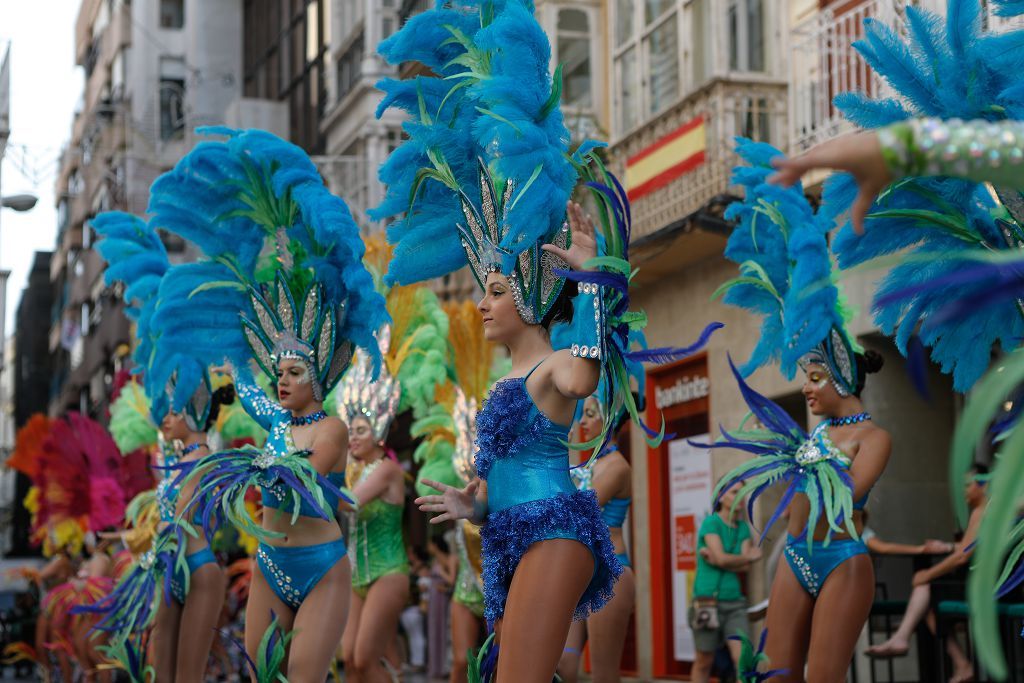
813,565
530,497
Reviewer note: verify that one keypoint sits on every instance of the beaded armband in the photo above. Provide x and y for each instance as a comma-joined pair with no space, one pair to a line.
976,150
588,323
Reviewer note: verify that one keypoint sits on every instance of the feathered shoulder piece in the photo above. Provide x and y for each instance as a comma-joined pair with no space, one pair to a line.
780,244
279,248
947,68
484,176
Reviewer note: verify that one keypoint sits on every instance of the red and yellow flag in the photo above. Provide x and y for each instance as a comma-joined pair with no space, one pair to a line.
672,156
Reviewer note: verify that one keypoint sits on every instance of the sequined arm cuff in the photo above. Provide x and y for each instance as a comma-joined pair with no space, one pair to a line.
588,323
981,151
254,401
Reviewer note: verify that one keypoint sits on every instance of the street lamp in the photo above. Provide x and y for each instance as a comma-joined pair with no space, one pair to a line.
19,202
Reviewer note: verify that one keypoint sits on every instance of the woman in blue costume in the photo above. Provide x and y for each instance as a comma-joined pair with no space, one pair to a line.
185,626
489,176
181,597
610,477
822,595
940,182
282,284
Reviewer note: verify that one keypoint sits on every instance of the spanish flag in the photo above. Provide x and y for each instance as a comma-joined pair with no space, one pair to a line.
674,155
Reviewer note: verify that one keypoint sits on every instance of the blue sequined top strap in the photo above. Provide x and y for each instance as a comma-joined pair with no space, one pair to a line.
614,512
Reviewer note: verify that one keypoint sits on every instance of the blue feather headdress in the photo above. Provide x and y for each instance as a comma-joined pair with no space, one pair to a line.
486,173
487,152
947,68
280,248
175,378
786,275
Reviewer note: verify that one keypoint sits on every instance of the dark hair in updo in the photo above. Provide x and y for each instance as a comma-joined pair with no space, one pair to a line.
868,363
562,310
221,397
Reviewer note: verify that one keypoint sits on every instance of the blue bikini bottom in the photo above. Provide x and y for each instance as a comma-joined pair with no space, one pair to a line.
812,568
194,562
293,572
623,559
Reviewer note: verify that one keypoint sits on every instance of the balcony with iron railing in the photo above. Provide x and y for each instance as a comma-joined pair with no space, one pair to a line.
825,63
754,108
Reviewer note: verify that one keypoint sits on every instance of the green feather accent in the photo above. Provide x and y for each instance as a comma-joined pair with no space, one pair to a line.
984,404
270,659
476,660
996,526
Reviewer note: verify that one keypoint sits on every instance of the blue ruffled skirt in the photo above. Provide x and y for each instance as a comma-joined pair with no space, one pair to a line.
509,533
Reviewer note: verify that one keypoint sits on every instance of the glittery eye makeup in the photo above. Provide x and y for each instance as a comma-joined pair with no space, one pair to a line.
818,379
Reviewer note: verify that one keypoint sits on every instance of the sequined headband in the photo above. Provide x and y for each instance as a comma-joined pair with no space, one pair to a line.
531,272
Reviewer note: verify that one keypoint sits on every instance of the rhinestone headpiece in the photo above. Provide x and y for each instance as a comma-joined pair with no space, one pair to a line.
197,408
282,330
530,270
837,356
360,396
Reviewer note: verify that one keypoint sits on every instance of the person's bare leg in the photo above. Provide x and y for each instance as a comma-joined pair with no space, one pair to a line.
466,629
552,573
378,624
735,650
262,605
607,629
917,609
790,609
963,670
348,636
319,624
842,608
165,639
572,653
198,625
701,670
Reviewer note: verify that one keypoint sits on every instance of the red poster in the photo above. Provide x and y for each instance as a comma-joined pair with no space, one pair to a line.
686,543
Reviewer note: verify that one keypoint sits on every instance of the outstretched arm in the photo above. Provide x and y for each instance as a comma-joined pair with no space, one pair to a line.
982,151
466,503
255,402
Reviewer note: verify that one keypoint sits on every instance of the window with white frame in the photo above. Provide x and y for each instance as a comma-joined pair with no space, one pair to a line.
647,60
573,44
745,28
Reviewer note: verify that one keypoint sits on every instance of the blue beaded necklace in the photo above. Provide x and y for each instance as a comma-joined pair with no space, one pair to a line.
312,418
191,449
848,420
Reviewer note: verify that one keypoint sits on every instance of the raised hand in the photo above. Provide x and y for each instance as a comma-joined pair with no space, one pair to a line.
859,154
584,244
452,504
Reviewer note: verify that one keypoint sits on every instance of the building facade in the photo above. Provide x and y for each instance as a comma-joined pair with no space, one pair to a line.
29,373
155,70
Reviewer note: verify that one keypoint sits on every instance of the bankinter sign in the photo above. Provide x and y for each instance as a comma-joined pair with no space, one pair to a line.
685,389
